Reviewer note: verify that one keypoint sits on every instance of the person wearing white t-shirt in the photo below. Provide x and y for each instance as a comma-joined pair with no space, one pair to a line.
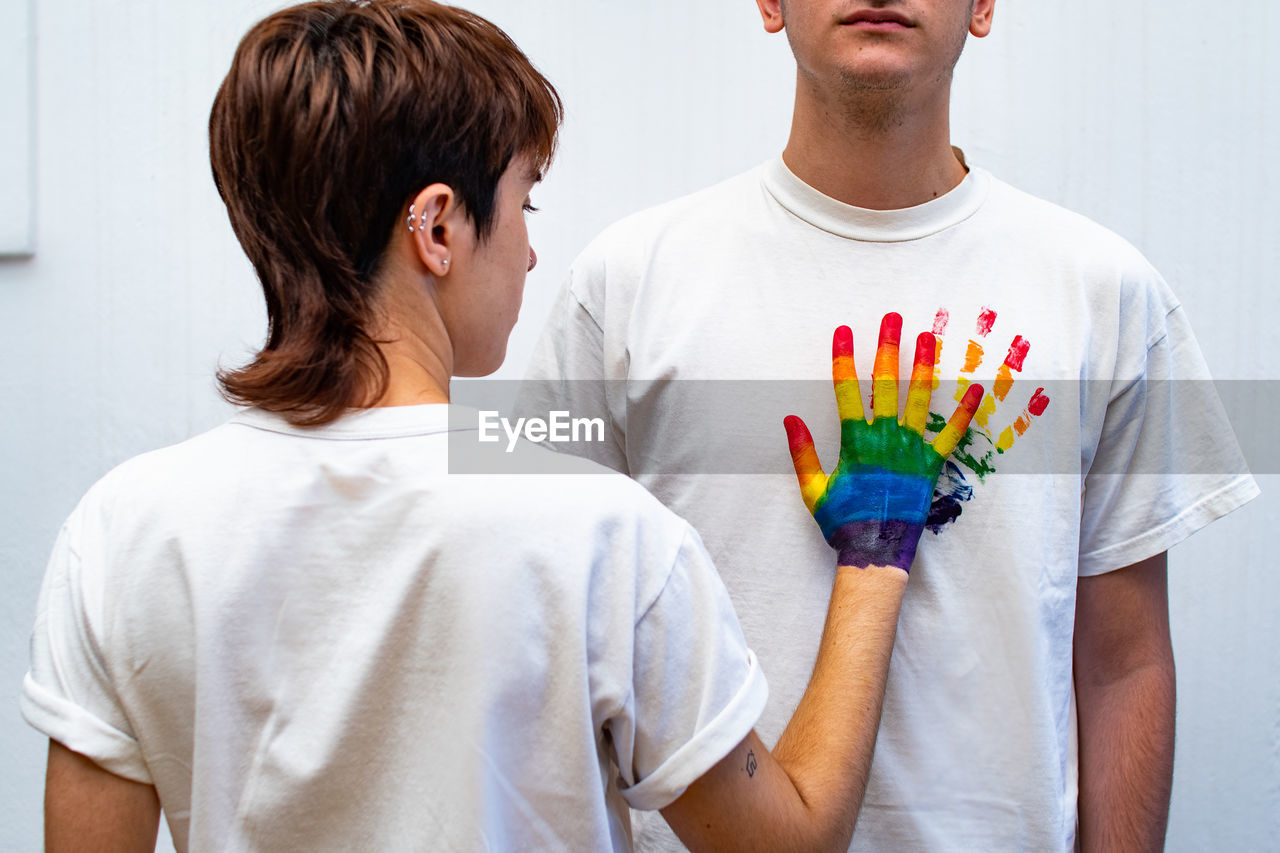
306,630
1030,705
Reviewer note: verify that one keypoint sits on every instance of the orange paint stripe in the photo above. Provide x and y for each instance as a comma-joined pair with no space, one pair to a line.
1004,381
886,366
937,362
843,369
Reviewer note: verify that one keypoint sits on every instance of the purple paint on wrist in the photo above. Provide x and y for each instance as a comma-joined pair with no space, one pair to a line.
876,543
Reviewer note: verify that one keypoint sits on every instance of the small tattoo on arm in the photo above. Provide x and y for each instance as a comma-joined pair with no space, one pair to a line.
751,763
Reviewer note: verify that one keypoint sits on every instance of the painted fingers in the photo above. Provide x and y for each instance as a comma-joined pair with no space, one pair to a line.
813,480
884,375
844,376
950,436
921,387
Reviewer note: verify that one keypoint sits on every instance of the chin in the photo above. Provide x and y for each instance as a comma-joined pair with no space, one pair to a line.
875,75
481,366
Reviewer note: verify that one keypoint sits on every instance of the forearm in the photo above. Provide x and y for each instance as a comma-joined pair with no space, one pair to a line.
1124,678
1126,758
805,794
826,749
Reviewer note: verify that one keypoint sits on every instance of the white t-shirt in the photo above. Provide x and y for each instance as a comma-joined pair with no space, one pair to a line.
320,639
695,327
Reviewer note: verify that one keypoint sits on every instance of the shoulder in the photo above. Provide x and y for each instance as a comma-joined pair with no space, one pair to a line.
160,481
552,490
688,219
1059,235
1038,239
571,518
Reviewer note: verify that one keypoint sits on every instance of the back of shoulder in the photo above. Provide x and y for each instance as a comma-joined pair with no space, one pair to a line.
557,489
153,496
577,522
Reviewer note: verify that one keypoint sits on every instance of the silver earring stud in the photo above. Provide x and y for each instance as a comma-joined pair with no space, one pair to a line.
446,262
412,219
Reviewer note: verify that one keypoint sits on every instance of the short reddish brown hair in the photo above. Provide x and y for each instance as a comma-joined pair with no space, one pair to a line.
333,115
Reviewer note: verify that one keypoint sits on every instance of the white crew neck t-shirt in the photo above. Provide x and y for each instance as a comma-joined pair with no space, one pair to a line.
320,639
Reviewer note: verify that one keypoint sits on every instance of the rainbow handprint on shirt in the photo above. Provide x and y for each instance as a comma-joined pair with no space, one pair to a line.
873,506
889,484
978,449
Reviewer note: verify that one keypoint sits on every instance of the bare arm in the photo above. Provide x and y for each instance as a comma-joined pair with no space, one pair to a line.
872,509
1124,677
89,810
806,794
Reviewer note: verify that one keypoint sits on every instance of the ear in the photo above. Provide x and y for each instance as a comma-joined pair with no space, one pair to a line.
438,225
771,12
980,21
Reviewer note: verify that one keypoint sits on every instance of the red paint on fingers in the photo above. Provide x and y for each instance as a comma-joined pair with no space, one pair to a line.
1018,352
940,321
842,342
972,398
986,319
798,438
891,329
924,350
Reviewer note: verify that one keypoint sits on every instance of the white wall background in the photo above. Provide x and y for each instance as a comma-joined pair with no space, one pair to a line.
1155,118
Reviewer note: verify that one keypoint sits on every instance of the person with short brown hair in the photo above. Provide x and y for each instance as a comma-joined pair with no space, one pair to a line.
333,114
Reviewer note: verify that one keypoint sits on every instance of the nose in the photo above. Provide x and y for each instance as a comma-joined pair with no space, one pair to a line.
533,259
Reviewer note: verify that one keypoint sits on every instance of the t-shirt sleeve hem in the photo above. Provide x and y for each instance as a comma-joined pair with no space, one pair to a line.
82,732
1210,508
670,779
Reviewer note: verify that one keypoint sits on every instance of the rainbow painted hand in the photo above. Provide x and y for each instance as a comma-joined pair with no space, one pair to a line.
873,506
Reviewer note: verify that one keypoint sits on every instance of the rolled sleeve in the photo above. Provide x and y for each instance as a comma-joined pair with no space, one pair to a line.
697,689
67,694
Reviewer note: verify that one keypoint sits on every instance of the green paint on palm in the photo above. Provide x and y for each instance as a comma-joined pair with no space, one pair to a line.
887,444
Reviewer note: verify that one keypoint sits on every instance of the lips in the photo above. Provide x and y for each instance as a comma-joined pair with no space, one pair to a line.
880,17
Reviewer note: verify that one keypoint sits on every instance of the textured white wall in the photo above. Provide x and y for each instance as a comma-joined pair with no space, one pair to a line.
1150,117
16,114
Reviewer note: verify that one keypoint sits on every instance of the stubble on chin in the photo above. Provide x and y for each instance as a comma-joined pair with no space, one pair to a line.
873,109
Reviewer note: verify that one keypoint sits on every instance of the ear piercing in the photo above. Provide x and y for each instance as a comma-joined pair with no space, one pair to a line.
422,220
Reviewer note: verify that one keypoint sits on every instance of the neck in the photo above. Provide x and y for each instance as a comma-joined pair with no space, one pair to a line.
883,149
418,354
413,379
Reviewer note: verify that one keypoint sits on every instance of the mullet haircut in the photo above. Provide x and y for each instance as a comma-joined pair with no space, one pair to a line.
333,116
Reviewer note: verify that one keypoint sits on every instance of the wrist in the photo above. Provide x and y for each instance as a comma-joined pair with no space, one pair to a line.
876,543
875,591
885,575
